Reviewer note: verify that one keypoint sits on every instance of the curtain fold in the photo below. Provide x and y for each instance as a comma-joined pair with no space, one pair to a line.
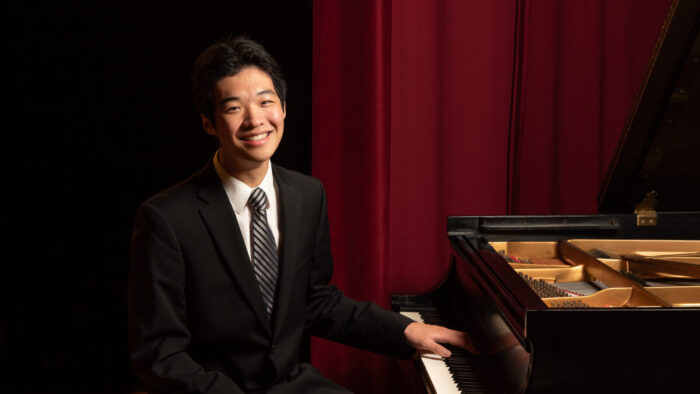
451,78
424,109
350,155
582,63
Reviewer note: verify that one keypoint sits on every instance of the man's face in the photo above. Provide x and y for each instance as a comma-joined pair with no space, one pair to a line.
249,119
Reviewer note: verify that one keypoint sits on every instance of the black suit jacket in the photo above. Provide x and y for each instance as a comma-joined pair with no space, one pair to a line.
197,320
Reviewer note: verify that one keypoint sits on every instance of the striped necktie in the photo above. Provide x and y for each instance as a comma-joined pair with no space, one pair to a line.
265,257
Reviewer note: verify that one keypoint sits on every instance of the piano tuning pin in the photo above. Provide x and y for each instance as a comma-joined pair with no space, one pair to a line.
542,288
570,304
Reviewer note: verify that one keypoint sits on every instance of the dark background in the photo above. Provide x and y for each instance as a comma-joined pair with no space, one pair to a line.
99,118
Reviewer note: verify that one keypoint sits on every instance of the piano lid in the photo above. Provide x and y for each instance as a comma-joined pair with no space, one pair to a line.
659,149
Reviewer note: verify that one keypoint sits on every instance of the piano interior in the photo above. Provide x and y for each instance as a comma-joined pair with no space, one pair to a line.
608,273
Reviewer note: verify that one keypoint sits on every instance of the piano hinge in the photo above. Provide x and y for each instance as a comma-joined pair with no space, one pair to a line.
645,210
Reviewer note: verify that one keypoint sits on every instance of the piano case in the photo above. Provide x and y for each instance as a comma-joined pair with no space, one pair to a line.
588,303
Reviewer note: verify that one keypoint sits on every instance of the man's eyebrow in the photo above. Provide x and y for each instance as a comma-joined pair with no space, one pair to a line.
227,99
236,98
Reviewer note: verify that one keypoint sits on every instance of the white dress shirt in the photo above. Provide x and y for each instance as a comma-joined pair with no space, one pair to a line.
238,194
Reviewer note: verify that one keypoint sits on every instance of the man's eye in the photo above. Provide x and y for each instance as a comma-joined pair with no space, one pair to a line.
232,109
267,102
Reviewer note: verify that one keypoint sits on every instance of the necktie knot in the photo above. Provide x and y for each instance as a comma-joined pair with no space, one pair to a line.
258,199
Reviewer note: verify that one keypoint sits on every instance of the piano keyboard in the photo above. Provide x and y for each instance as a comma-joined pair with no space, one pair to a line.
462,372
435,366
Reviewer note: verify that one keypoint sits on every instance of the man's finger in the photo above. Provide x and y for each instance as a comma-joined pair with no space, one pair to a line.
425,338
438,349
459,339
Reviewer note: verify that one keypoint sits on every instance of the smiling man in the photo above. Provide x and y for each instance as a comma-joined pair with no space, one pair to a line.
230,268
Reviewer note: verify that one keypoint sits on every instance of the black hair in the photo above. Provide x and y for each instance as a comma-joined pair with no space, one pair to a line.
226,58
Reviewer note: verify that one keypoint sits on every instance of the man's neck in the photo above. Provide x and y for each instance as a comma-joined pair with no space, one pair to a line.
252,174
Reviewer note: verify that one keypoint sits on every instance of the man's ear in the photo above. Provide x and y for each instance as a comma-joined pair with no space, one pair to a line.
207,125
284,109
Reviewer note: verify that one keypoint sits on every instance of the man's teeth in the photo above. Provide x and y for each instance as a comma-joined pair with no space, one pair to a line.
257,137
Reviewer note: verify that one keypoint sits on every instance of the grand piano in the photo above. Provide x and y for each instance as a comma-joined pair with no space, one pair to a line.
589,303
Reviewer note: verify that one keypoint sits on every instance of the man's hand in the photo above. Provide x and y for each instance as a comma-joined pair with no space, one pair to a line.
426,338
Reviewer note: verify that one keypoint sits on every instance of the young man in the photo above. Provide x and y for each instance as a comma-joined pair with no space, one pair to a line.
230,268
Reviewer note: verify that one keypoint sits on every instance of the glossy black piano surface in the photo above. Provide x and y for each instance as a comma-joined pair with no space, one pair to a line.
611,339
593,303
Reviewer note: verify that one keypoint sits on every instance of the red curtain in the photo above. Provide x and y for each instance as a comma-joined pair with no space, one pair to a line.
580,65
351,97
424,109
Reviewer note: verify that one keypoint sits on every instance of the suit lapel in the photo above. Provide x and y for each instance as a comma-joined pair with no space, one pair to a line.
290,202
223,227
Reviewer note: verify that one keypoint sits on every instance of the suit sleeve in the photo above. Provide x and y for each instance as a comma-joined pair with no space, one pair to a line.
158,332
333,316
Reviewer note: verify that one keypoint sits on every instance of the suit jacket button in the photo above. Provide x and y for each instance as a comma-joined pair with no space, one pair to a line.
272,349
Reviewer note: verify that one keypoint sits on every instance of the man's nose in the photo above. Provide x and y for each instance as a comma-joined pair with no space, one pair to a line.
255,117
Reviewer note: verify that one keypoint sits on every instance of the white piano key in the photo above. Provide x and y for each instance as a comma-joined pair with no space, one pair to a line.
435,366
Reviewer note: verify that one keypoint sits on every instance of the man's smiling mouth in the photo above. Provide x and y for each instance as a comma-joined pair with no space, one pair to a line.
258,137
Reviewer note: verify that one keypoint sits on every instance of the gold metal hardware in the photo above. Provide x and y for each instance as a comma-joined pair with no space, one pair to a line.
645,210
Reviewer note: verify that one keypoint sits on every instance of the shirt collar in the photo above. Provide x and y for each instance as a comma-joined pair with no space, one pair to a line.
237,191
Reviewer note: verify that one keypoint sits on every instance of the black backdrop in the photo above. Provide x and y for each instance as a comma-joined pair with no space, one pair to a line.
98,117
